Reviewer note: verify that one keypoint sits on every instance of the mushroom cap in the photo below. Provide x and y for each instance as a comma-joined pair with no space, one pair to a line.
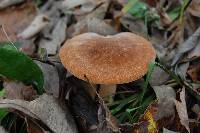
116,59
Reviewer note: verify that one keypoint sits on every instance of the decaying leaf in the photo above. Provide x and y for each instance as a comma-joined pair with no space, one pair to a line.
187,46
51,79
107,122
182,110
47,109
33,127
158,77
99,13
194,72
165,95
133,24
99,26
194,8
16,19
148,122
17,90
153,119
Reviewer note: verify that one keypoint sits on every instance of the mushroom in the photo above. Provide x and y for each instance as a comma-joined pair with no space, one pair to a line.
107,60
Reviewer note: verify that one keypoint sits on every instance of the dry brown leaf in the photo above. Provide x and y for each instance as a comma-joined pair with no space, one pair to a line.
16,19
194,72
187,46
47,109
194,8
17,90
33,127
182,110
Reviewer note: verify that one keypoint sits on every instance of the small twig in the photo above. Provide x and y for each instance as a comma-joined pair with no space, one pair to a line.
7,37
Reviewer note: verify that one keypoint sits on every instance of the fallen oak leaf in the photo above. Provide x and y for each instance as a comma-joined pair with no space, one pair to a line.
47,109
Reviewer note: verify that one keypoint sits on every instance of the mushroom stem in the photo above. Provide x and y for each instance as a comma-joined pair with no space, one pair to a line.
107,91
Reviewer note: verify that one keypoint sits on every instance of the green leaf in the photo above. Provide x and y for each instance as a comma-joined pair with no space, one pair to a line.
3,113
18,66
136,8
2,93
173,14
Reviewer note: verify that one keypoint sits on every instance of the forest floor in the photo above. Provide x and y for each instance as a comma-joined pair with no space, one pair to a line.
39,95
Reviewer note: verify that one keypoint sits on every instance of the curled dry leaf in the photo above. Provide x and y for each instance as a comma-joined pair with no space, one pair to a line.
51,79
6,3
35,27
47,109
182,110
187,46
16,19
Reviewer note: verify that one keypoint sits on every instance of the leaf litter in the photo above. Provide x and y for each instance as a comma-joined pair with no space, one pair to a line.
170,25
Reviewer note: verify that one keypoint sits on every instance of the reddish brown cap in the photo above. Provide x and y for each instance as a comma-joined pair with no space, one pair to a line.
113,59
